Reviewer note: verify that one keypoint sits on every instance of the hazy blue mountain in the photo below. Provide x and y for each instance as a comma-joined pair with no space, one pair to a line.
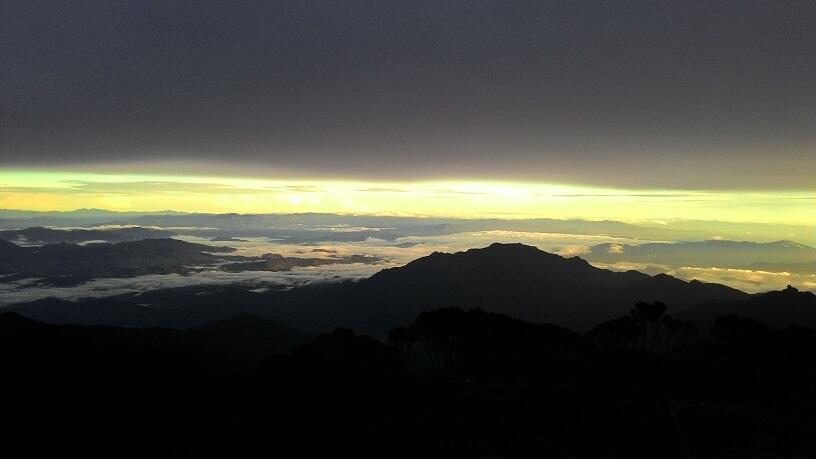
17,219
720,253
757,231
323,225
80,213
39,235
361,227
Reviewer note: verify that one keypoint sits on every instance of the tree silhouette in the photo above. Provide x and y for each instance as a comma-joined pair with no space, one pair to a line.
647,328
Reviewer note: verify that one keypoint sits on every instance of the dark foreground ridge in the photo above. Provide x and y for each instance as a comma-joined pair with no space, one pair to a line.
464,353
450,382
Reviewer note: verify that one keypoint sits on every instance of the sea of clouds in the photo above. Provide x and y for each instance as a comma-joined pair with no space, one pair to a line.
393,253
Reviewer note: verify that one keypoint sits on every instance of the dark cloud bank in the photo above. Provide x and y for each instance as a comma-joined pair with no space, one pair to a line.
663,94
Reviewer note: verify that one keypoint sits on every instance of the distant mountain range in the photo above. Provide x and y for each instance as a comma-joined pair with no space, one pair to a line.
16,219
39,235
322,226
776,256
80,213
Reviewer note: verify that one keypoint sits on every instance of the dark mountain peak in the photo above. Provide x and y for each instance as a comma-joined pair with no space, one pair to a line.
663,277
789,293
497,259
516,247
515,250
515,279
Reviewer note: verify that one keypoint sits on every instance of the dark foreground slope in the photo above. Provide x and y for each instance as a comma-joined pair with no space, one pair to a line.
177,308
452,382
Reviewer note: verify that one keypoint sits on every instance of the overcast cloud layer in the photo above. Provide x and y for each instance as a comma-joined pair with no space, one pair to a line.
691,94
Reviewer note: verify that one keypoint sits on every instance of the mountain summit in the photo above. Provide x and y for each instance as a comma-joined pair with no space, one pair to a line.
514,279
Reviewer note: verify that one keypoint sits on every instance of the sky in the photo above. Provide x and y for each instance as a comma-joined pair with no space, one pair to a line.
692,109
62,191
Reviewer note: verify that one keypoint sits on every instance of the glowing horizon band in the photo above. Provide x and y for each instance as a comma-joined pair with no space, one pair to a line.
61,191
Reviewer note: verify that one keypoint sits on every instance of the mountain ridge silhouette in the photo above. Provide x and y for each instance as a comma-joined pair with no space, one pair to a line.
514,279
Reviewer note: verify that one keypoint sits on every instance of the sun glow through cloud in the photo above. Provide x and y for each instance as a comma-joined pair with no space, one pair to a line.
60,191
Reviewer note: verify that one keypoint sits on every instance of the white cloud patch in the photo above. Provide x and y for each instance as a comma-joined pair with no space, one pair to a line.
616,249
27,289
573,250
648,268
748,280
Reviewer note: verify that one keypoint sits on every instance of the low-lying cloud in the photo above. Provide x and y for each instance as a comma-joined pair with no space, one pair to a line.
393,253
28,290
748,280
